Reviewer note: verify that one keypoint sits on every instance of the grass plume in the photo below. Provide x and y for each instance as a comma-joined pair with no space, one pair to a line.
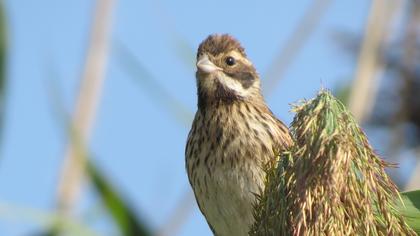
330,182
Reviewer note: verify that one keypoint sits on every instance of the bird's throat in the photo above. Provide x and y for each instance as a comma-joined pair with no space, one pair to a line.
220,96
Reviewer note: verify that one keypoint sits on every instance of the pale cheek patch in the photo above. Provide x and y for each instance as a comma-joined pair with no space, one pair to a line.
233,85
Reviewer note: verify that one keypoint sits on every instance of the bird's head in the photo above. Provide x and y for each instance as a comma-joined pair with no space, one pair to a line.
224,73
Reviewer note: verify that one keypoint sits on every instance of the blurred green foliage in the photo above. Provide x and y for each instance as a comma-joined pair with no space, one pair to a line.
410,209
3,53
122,213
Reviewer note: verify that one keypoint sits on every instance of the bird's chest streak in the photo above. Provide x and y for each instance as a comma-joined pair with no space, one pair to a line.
229,138
225,155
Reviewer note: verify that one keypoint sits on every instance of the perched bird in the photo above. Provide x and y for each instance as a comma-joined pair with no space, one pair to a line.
233,135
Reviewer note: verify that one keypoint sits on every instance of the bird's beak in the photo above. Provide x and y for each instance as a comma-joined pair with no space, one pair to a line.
205,65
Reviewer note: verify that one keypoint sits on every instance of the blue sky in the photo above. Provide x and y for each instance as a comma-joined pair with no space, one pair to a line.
136,140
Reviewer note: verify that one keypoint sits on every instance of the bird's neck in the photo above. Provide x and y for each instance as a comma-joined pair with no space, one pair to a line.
231,106
226,98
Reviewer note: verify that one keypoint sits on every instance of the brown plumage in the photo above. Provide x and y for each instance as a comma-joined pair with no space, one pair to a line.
233,135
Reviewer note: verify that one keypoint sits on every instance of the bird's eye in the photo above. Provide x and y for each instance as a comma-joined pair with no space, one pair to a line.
230,61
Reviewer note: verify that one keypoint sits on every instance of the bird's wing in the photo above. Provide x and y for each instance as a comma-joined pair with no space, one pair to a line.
286,139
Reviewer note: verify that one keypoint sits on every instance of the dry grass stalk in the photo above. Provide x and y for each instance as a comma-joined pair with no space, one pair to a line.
87,101
295,43
365,83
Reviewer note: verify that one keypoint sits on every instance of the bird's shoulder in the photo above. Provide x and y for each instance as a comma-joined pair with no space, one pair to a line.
285,138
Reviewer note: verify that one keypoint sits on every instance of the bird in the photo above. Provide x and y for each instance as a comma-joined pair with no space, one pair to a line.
233,136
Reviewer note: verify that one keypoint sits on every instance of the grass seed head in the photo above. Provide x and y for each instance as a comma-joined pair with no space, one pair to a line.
330,182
